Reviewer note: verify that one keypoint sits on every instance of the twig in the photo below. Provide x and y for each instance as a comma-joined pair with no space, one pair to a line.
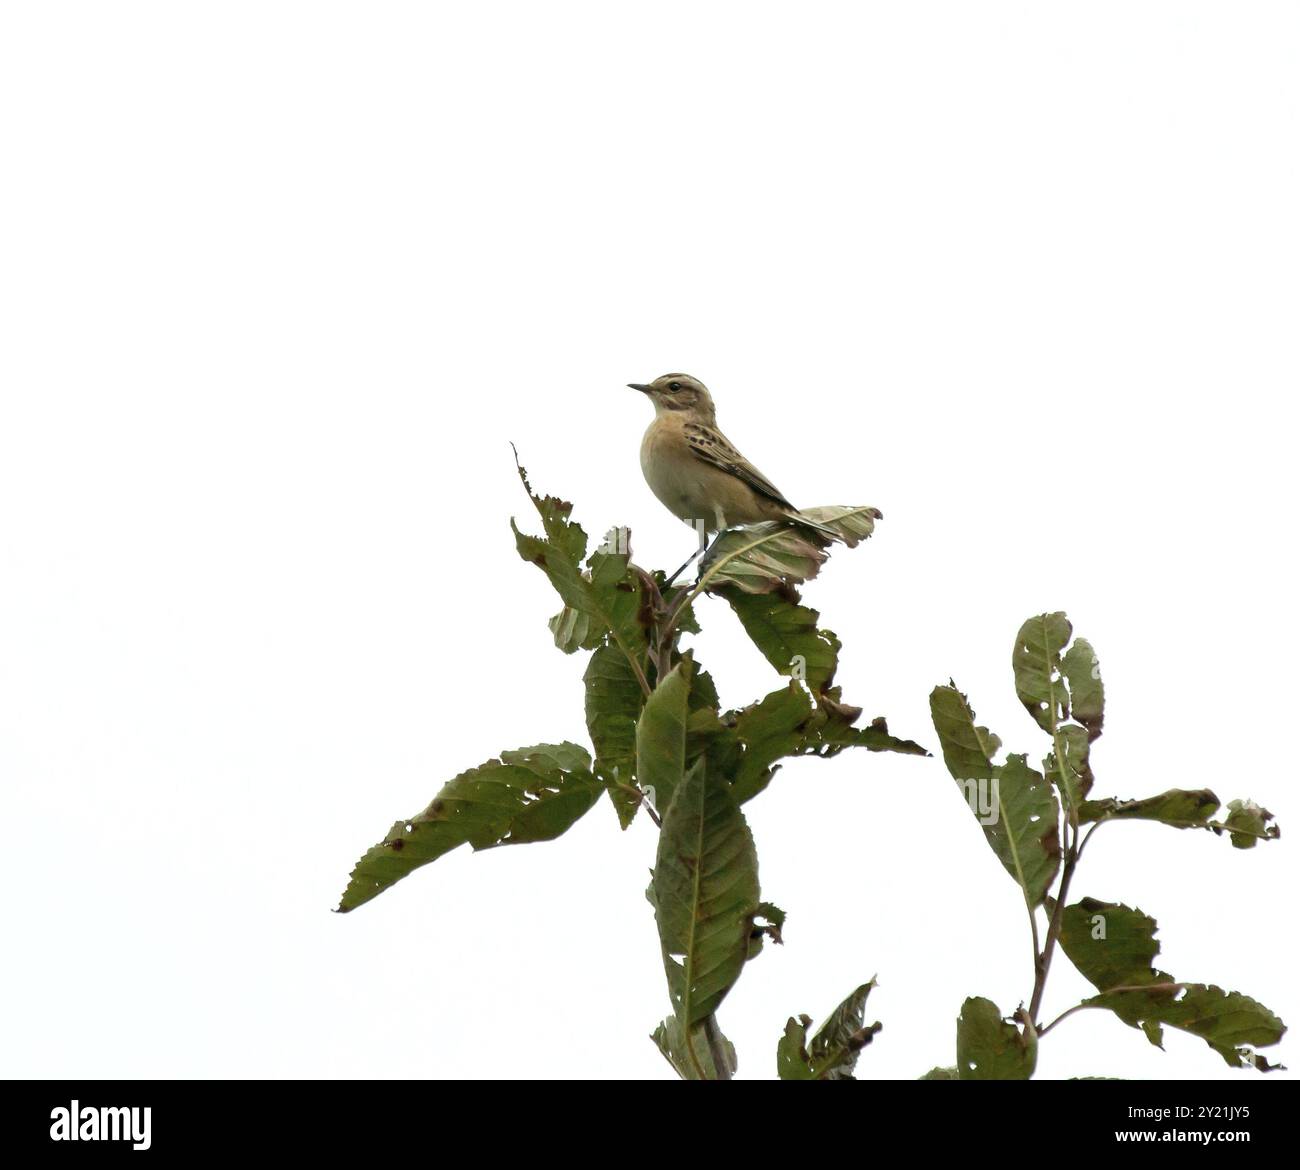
1078,1007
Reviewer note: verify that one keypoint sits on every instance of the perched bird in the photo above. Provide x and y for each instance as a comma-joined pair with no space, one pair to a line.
696,472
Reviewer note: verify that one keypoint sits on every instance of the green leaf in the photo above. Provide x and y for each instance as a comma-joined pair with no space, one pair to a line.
533,794
990,1048
1016,807
1179,807
1073,769
1249,823
613,705
661,737
792,1060
606,597
1115,947
833,1053
1232,1024
1036,661
705,893
831,730
687,622
787,636
1087,696
1112,945
769,730
1183,808
942,1074
689,1065
777,555
968,750
574,630
786,724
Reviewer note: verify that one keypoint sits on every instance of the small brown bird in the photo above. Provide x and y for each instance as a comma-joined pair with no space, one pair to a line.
696,472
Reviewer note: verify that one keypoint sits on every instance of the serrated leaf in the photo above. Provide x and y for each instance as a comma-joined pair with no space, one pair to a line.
613,701
705,893
1114,947
762,558
829,732
689,1065
1036,661
704,694
661,737
768,731
786,724
990,1048
1016,807
533,794
1232,1024
832,1055
606,597
787,635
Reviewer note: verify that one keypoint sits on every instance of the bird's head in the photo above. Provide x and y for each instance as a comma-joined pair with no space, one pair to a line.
673,392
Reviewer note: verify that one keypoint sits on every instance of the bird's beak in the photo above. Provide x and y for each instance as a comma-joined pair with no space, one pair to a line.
638,386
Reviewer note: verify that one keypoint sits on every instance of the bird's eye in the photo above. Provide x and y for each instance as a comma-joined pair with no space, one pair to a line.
674,385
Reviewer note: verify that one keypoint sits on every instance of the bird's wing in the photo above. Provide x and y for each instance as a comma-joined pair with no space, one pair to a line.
710,445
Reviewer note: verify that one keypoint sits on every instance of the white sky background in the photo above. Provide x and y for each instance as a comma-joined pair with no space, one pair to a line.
280,282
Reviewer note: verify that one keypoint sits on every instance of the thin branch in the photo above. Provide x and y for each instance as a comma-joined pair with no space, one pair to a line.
1087,1003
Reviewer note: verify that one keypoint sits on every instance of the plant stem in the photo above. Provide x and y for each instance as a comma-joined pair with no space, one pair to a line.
1078,1007
1043,961
716,1051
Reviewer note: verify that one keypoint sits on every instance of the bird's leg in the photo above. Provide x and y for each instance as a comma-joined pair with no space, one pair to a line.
705,553
702,534
683,567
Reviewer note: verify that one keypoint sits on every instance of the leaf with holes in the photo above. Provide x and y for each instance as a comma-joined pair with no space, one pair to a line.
1036,661
832,1054
1114,947
1180,808
1087,695
990,1048
1072,769
705,894
533,794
